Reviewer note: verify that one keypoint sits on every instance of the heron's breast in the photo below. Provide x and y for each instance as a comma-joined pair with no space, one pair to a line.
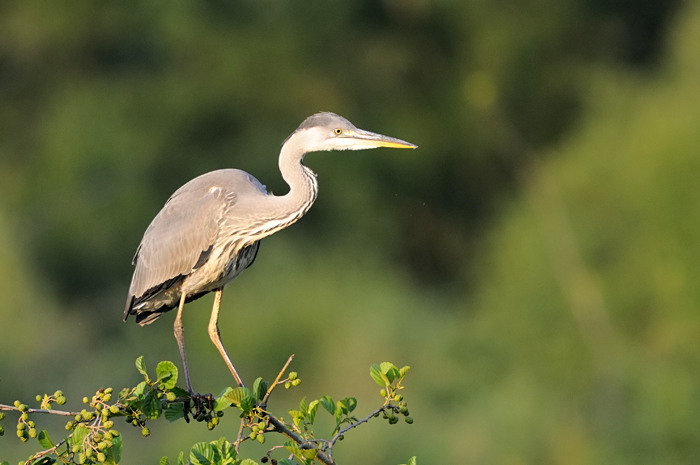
222,267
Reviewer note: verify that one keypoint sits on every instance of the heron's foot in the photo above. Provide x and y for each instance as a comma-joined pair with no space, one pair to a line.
200,406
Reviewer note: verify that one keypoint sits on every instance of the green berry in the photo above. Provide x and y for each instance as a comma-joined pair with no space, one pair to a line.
108,424
382,392
408,420
38,398
293,375
114,432
101,457
60,400
145,431
21,426
287,385
32,432
75,449
2,416
69,426
296,382
260,439
2,431
24,417
23,407
210,425
17,404
170,396
85,400
113,409
215,420
107,397
88,452
82,458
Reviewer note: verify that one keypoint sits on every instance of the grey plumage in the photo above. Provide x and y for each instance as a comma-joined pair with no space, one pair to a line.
209,230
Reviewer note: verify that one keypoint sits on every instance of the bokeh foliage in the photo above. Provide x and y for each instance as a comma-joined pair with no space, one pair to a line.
535,260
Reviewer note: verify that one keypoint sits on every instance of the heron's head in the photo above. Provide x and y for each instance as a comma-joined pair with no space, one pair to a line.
328,131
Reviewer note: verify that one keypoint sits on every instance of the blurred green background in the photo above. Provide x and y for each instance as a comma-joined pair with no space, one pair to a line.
536,260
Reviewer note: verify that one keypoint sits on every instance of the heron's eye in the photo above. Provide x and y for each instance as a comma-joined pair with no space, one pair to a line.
338,131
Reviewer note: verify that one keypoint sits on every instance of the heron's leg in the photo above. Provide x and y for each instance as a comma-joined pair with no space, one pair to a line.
216,337
179,331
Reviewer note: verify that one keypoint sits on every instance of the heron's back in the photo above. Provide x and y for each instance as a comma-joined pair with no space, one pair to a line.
191,245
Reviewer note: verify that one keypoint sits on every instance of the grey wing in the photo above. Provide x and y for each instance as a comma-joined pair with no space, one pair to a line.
178,239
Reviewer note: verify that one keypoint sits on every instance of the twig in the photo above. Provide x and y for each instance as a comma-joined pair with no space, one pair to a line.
263,404
45,452
337,436
38,410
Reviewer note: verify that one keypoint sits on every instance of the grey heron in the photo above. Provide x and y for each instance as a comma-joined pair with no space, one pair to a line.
210,229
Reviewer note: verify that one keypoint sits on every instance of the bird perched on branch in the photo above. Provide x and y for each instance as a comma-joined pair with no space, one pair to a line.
210,229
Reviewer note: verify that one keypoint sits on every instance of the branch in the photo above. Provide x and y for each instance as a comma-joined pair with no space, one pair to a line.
282,428
11,408
337,436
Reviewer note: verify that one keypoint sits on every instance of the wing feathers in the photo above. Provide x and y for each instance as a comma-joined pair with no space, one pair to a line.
178,240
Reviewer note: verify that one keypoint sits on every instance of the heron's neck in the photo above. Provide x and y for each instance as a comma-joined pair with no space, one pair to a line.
303,187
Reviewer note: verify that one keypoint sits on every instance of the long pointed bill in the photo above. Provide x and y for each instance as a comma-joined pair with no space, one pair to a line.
362,139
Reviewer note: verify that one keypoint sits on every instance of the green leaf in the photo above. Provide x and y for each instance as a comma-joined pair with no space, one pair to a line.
341,406
181,458
297,416
285,461
241,398
44,440
46,460
114,454
174,411
226,450
139,389
141,366
412,461
303,406
167,374
328,404
313,407
260,388
150,406
248,462
389,370
79,434
351,402
222,401
293,448
376,373
164,461
402,372
204,453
